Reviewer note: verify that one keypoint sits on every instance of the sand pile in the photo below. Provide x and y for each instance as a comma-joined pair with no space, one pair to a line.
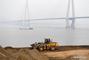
38,56
26,54
5,55
21,54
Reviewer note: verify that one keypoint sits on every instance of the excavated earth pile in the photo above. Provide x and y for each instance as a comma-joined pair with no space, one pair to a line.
21,54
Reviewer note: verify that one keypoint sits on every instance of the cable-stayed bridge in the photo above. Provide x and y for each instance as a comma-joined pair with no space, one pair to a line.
25,23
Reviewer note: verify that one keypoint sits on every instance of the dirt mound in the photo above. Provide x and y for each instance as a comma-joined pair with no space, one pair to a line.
11,50
37,55
5,55
21,54
26,54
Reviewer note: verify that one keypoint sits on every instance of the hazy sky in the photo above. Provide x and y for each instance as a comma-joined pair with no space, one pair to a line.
15,10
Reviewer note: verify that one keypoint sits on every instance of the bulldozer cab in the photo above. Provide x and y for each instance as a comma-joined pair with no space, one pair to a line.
47,40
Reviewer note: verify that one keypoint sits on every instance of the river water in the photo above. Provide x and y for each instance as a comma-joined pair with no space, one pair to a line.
23,38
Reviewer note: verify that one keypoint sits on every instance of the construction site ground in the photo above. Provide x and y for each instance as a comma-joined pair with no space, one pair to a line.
63,53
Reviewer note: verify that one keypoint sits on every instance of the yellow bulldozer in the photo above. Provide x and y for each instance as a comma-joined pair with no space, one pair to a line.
46,45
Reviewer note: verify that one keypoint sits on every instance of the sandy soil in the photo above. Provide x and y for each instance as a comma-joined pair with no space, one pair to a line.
65,53
83,54
21,54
